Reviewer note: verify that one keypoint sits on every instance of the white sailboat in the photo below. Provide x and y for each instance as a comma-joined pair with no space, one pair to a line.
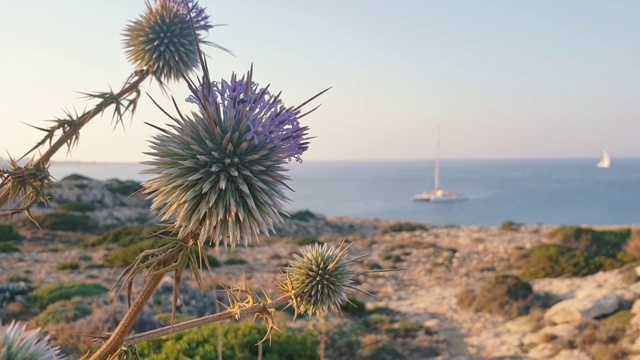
438,194
605,162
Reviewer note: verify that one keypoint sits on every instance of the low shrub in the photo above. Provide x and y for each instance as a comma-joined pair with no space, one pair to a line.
307,240
17,279
353,306
49,294
303,215
7,248
546,260
126,255
129,235
402,227
68,265
598,243
235,261
61,221
62,311
506,295
8,233
239,342
123,187
75,177
510,226
76,206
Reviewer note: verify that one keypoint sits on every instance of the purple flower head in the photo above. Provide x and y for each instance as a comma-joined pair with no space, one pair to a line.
220,171
198,14
265,116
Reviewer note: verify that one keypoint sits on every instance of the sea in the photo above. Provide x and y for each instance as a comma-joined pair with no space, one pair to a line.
558,192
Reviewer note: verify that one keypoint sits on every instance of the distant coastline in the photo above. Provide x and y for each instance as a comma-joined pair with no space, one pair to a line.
540,191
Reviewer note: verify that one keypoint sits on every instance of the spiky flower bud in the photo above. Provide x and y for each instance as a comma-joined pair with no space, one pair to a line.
319,278
17,343
220,170
162,41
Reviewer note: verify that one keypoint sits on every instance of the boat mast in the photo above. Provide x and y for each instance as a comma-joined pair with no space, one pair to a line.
436,174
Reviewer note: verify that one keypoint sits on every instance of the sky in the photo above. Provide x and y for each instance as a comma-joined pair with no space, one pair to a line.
502,79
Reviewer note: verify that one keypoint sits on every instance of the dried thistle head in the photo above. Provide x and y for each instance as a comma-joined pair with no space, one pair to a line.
220,170
25,185
162,39
18,343
319,278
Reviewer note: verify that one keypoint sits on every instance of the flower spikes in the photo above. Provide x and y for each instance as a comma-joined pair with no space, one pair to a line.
319,278
220,170
165,39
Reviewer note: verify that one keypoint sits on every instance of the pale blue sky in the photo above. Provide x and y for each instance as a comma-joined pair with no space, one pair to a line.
504,79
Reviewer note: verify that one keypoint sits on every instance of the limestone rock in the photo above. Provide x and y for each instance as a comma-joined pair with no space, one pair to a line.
587,306
574,354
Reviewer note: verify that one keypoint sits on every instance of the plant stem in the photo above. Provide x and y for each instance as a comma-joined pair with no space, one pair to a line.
205,320
114,343
82,121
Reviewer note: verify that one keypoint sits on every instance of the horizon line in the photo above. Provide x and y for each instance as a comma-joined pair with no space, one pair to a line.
96,162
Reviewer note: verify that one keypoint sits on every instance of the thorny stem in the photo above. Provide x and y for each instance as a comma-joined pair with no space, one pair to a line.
114,343
209,319
82,121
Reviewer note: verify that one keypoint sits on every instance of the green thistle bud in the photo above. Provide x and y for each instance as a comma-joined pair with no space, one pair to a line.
17,343
162,39
319,278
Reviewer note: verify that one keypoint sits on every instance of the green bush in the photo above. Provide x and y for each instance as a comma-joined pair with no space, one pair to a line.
62,311
49,294
17,279
598,243
506,295
235,261
353,306
306,240
239,343
8,248
129,235
75,177
126,187
76,206
8,233
68,265
547,260
61,221
303,215
402,227
126,255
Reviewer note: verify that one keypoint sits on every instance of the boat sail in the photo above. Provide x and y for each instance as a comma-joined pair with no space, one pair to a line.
605,162
438,194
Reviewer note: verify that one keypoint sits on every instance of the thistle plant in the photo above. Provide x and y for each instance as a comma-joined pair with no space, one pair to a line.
162,44
16,343
220,170
319,278
219,176
164,40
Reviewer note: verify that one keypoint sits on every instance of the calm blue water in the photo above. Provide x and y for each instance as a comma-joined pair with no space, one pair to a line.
529,191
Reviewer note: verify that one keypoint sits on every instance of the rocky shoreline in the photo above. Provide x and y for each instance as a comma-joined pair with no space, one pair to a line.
422,316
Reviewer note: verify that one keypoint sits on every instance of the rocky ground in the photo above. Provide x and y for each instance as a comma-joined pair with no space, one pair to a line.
413,274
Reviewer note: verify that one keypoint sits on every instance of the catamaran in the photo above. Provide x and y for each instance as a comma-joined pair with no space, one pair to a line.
605,162
438,194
